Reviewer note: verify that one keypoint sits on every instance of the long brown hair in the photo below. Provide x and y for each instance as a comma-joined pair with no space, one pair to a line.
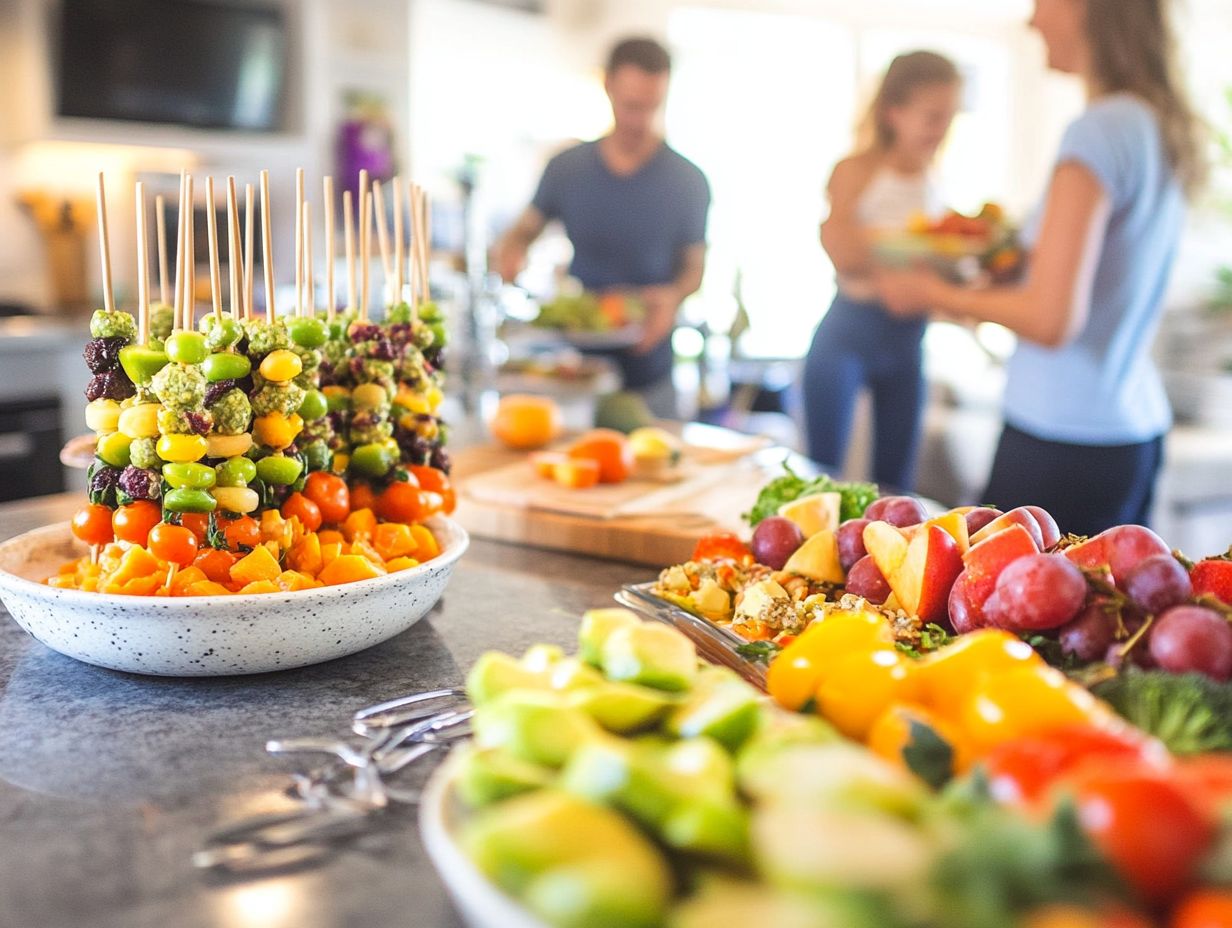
1133,51
907,74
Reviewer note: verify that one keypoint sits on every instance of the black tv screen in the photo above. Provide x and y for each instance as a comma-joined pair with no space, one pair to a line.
185,62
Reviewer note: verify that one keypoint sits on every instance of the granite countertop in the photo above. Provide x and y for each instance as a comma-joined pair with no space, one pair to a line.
108,782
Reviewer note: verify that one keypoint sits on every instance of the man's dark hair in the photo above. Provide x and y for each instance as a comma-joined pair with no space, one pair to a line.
645,54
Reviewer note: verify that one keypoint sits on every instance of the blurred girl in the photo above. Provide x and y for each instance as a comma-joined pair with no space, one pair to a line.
1085,409
858,343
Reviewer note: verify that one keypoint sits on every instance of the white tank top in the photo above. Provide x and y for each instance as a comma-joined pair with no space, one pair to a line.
888,203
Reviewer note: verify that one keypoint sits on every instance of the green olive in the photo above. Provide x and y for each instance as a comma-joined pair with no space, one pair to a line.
308,332
220,334
373,460
185,476
279,469
113,448
236,472
142,362
316,455
338,402
314,405
187,347
185,500
226,365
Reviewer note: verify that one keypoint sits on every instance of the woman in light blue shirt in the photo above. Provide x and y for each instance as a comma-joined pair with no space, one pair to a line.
1085,409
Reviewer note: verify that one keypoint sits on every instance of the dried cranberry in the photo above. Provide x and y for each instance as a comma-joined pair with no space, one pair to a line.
382,350
110,385
140,483
103,482
201,422
215,391
440,460
103,354
363,332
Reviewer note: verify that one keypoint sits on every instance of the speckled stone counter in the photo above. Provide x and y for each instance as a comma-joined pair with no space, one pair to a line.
109,781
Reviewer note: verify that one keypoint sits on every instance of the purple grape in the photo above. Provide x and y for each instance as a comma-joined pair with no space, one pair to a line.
897,510
103,354
1193,638
1037,592
1048,527
964,617
775,540
1157,583
978,518
864,579
1088,636
850,537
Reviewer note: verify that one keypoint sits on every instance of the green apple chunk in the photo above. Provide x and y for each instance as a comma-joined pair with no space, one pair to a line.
652,655
597,625
716,830
496,673
538,726
488,775
623,708
721,706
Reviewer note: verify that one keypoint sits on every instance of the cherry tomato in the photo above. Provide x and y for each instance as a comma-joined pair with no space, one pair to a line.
362,496
331,495
198,523
1204,908
401,502
173,543
436,481
244,531
92,524
215,564
1022,771
133,522
1141,818
722,545
304,509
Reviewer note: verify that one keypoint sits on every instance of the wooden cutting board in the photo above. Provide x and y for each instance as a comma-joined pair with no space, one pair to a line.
645,522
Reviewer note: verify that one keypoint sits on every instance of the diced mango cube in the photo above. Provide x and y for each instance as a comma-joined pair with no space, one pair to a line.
348,568
258,565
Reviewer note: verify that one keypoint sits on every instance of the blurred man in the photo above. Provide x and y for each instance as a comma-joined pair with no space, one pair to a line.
635,212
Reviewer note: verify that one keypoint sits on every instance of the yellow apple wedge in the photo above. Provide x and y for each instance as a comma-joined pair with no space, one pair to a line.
818,559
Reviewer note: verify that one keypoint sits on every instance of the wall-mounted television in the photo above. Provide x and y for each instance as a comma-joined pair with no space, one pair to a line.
210,65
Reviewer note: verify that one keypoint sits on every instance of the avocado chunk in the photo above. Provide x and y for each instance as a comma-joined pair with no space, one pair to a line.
652,655
716,830
623,708
496,673
623,774
488,775
777,731
623,412
536,726
597,625
572,674
721,706
573,862
727,903
542,656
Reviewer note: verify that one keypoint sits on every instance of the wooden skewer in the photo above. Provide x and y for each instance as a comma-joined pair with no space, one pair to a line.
160,221
382,233
331,300
267,247
248,269
143,270
190,258
179,254
211,235
348,222
104,246
365,249
234,258
309,286
425,248
397,182
299,241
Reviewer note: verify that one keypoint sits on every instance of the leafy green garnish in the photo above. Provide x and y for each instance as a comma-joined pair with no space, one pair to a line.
932,637
856,497
759,652
1188,712
929,756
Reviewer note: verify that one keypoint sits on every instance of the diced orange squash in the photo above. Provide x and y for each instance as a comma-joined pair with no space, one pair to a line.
329,552
259,565
290,580
185,578
347,568
330,536
305,556
259,586
207,588
275,528
136,562
401,563
63,581
142,586
363,549
426,542
361,523
394,539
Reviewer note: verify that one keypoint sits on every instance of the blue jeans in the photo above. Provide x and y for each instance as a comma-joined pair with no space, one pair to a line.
1086,488
861,345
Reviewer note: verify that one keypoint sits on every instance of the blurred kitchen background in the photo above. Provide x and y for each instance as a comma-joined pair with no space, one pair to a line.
471,97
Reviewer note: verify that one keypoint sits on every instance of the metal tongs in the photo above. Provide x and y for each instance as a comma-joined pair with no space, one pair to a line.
344,797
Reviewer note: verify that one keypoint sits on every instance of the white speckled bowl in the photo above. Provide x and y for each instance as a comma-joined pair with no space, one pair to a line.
208,636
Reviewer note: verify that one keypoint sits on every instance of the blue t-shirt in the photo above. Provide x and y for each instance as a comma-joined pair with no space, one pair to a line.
627,231
1102,388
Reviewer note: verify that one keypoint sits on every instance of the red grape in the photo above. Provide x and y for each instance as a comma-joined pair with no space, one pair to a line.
1049,529
1036,592
964,616
850,537
979,517
1193,638
775,540
1089,636
1157,583
1127,546
897,510
864,579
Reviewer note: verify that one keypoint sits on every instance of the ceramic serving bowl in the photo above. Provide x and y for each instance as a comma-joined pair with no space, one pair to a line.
206,636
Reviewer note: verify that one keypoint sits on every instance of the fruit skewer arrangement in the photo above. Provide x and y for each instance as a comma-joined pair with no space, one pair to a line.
219,458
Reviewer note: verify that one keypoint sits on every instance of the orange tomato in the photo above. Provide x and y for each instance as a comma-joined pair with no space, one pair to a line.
198,523
173,543
331,494
244,531
524,422
436,481
1204,908
134,521
362,495
401,502
610,449
304,509
215,564
92,524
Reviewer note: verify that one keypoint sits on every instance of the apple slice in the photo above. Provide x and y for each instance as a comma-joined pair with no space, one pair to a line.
954,524
816,513
986,559
1020,516
818,559
919,570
